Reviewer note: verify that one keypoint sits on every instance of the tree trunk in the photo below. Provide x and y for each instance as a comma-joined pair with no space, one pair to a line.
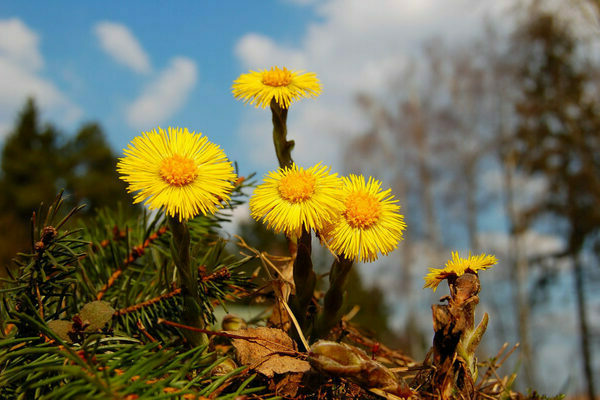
432,230
584,333
519,271
470,171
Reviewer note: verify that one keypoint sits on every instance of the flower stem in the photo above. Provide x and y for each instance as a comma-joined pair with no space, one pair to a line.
188,282
334,298
283,147
304,278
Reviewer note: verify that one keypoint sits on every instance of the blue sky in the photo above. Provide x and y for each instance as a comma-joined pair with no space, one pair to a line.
189,45
134,65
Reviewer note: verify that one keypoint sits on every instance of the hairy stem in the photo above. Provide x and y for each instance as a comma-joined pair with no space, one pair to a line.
334,298
304,278
283,147
188,282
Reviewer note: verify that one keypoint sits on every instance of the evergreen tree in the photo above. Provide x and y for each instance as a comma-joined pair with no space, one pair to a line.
90,174
37,162
30,165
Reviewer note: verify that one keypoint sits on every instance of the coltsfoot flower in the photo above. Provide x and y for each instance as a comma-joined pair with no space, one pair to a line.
457,266
283,85
369,224
292,199
180,171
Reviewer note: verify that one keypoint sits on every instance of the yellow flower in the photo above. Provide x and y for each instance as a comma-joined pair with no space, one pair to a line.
458,266
369,224
283,85
182,172
291,199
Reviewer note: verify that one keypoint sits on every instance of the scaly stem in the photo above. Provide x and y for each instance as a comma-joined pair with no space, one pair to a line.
283,147
334,298
188,282
304,278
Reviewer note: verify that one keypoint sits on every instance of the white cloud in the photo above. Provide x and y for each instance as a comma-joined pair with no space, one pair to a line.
260,52
533,243
20,65
19,45
356,46
119,43
165,95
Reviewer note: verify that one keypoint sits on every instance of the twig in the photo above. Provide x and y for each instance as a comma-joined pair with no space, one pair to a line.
487,396
134,254
508,355
146,303
355,336
142,329
108,284
488,372
265,259
291,314
221,273
352,313
227,335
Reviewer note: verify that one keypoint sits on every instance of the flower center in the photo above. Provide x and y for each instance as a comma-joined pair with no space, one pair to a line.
177,170
362,210
277,77
297,186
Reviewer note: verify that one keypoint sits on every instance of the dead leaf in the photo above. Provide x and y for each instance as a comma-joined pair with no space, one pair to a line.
288,386
97,314
61,329
263,349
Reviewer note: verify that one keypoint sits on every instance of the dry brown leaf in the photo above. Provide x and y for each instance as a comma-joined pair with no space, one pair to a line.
288,386
263,349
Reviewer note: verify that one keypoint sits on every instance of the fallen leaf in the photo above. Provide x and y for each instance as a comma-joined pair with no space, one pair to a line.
262,351
288,386
97,314
61,329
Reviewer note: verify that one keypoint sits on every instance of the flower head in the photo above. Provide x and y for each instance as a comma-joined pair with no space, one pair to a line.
180,171
458,266
292,199
369,224
283,85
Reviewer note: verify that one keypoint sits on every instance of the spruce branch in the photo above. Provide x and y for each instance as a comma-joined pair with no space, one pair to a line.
147,303
135,253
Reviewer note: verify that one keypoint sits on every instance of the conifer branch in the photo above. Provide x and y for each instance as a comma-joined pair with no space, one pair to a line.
135,253
147,303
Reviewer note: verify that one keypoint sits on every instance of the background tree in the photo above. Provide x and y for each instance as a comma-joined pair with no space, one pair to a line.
429,137
30,164
38,161
558,137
